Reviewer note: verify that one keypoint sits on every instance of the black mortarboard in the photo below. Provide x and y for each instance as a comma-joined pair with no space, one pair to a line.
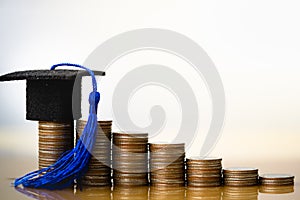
50,95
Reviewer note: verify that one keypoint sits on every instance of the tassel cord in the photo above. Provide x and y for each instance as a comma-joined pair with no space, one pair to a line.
73,163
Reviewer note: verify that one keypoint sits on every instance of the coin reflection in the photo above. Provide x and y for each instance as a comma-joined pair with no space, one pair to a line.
130,192
48,194
206,193
276,189
245,193
89,193
168,193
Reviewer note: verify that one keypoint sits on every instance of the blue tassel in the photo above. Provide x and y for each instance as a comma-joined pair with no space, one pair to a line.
73,163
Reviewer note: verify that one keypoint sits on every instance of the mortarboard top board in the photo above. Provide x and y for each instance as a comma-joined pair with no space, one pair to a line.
50,95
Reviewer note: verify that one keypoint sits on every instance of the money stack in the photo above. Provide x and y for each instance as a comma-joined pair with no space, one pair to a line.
276,179
99,169
204,171
130,159
167,164
54,139
240,193
240,176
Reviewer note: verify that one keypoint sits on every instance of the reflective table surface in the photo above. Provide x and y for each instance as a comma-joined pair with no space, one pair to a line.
14,166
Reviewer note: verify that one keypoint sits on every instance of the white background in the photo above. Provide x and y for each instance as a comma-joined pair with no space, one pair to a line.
255,45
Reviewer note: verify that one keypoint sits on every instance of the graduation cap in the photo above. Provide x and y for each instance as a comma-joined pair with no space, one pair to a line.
50,96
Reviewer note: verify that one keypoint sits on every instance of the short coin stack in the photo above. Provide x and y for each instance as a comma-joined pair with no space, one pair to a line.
130,159
99,171
240,176
54,139
167,164
276,179
204,172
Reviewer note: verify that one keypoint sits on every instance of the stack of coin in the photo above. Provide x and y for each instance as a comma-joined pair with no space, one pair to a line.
130,159
276,179
204,171
240,176
54,139
167,164
240,193
99,169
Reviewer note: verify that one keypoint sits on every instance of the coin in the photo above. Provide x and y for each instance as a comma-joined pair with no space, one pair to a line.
55,138
99,169
130,159
240,170
276,179
204,171
240,176
167,164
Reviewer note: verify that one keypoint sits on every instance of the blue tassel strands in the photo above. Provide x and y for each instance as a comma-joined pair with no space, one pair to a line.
73,163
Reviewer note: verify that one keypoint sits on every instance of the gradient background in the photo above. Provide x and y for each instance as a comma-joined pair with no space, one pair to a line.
254,44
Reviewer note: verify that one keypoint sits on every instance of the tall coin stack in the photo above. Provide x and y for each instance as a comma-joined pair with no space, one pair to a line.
240,176
167,164
204,172
130,159
54,139
99,170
